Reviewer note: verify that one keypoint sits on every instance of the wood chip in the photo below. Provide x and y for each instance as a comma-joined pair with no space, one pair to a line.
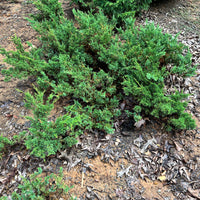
194,193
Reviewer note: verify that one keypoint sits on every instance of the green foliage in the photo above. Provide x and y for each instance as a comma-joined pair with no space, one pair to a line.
49,10
4,143
47,137
97,68
120,9
3,198
135,113
26,63
145,78
36,187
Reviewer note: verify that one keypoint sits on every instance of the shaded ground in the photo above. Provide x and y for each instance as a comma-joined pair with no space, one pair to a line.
143,163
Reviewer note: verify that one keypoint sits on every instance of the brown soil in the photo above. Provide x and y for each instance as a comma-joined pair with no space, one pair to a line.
96,177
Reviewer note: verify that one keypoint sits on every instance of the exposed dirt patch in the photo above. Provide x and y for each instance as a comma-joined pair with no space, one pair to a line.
142,163
98,176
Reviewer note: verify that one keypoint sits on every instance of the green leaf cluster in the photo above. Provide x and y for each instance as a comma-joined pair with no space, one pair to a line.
46,137
36,187
88,62
4,142
119,9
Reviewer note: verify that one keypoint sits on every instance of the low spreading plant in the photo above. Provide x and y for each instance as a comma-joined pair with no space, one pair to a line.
120,9
145,77
47,137
37,187
65,64
97,69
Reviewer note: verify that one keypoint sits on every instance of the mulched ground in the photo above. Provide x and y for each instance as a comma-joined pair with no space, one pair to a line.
134,163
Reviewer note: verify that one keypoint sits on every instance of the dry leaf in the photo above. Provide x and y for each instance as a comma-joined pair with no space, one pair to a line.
151,142
162,178
139,123
148,153
163,173
178,148
124,171
123,105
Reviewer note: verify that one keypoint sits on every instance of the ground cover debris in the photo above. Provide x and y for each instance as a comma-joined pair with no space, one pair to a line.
133,161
